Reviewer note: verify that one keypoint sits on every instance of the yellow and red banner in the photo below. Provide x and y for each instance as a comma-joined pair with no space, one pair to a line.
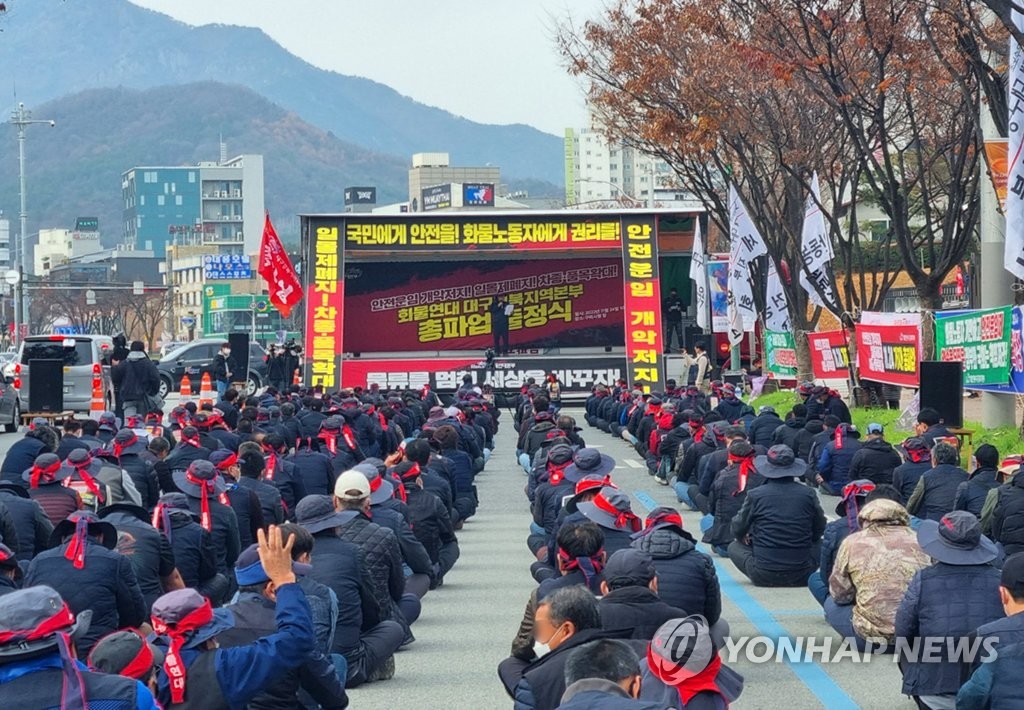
642,300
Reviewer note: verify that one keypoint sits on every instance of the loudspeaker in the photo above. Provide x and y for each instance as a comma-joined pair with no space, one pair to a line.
239,356
942,389
46,385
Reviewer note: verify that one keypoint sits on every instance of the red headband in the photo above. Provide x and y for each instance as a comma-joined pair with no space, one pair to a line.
61,620
227,463
119,447
139,667
586,485
412,473
191,440
173,665
622,517
746,468
673,518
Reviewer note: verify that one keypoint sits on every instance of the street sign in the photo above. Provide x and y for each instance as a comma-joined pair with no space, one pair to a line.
260,305
188,321
12,277
226,266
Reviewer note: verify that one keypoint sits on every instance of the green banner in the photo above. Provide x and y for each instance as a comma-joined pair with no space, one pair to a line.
780,352
980,340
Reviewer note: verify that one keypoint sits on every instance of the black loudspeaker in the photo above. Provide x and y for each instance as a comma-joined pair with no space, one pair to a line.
46,385
692,335
239,356
942,389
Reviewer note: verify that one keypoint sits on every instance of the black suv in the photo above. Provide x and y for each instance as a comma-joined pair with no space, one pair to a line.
196,357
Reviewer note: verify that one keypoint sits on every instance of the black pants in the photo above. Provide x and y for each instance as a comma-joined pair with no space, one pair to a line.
378,644
671,328
743,557
501,341
702,502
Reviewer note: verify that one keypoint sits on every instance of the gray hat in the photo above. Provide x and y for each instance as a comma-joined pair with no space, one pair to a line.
610,509
175,606
780,462
956,540
48,469
115,652
25,610
201,470
381,489
588,461
629,566
316,513
126,441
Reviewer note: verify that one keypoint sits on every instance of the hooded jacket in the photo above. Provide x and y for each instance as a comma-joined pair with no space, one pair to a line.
194,555
686,577
1008,516
762,429
971,494
135,377
874,567
875,461
32,525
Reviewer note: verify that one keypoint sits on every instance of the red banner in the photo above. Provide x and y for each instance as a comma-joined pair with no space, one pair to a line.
830,356
422,306
642,297
325,313
889,354
277,270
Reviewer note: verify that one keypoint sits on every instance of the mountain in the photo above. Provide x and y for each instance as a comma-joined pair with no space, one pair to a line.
52,48
75,168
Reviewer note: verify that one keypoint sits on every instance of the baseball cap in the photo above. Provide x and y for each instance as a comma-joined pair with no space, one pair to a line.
875,428
629,566
352,485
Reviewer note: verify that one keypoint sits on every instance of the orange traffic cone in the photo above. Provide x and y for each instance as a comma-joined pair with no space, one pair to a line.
206,390
97,404
185,389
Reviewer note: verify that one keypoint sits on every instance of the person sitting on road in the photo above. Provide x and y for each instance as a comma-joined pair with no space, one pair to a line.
46,487
917,461
727,493
876,459
24,452
778,529
935,492
971,494
630,606
546,566
872,572
836,459
604,675
762,428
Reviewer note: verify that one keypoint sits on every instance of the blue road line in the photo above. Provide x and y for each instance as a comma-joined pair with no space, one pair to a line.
811,674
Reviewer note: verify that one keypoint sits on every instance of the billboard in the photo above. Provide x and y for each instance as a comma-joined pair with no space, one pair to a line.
979,339
780,353
436,197
478,194
360,196
830,355
416,306
325,307
889,354
219,267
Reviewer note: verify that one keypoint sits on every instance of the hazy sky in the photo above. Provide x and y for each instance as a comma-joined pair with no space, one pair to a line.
493,62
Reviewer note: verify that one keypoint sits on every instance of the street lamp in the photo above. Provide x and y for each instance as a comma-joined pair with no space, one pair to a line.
22,118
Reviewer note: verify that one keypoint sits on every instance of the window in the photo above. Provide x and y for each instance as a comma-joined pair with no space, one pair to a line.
178,200
192,176
878,229
160,200
142,200
615,179
149,176
614,166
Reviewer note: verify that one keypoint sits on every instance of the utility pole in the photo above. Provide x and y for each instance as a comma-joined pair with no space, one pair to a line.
22,118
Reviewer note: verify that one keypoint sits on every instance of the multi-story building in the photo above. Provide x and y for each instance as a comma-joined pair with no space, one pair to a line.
50,251
5,243
220,202
432,180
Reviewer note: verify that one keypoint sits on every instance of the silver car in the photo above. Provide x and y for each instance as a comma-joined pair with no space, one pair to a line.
83,358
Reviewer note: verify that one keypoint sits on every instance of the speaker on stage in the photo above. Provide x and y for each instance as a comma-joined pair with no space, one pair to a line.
942,389
46,385
692,335
239,356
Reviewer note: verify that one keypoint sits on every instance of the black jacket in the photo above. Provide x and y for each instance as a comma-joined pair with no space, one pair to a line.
635,612
543,681
149,552
270,500
314,470
431,523
143,476
289,484
383,561
971,494
229,411
69,443
32,525
725,501
106,584
219,369
135,377
1008,516
875,461
762,428
224,533
20,458
686,577
340,565
548,502
194,554
414,554
940,486
906,475
248,510
784,520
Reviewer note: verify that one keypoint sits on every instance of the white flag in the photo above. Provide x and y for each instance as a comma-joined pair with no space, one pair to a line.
699,276
1013,257
816,249
776,310
745,245
735,322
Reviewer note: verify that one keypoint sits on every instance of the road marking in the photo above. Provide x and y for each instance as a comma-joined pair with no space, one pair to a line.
811,674
634,464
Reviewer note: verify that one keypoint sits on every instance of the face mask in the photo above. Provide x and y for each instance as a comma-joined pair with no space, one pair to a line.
543,649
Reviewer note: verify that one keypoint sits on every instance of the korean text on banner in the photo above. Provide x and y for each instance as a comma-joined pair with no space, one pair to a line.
978,339
816,250
718,293
642,300
325,308
745,245
699,276
780,353
1013,257
776,309
830,356
889,354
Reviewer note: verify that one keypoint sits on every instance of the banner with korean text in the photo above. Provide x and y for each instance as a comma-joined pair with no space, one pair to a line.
830,355
980,340
780,353
642,302
325,313
889,354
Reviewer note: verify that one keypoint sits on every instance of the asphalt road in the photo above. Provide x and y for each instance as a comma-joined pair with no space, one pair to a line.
467,626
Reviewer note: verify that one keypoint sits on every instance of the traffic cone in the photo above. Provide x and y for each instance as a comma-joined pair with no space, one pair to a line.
206,390
185,389
97,405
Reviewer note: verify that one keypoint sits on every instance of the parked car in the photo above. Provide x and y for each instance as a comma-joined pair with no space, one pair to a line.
196,357
83,358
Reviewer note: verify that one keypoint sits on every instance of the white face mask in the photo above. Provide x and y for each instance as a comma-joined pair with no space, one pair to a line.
541,649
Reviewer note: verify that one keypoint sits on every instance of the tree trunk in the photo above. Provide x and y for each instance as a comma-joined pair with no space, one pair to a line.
804,371
931,301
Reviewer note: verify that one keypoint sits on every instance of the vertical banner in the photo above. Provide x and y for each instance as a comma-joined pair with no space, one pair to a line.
699,276
718,292
980,340
745,245
642,301
830,355
776,309
1013,257
324,306
780,353
889,354
816,251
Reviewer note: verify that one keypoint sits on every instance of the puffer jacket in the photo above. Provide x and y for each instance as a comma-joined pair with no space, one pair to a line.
686,577
835,463
784,520
314,470
875,462
538,433
725,501
906,475
676,438
383,561
56,500
835,532
936,492
432,526
635,612
548,502
395,519
270,499
874,567
787,432
971,494
20,458
1008,516
143,476
944,601
30,521
762,428
732,409
194,555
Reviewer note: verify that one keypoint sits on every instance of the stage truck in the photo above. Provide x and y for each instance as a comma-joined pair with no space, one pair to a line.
406,300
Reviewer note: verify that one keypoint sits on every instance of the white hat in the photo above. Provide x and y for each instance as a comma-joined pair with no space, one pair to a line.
352,485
